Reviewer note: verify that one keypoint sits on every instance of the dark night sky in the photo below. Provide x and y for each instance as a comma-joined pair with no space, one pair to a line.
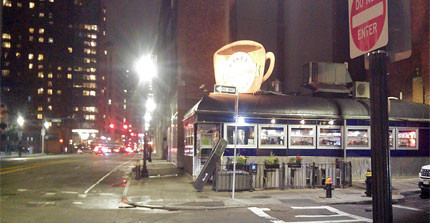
131,26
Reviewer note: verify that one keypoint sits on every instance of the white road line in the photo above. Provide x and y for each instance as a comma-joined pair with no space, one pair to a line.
101,179
82,195
106,194
69,192
22,190
408,208
77,167
339,213
260,213
77,202
50,194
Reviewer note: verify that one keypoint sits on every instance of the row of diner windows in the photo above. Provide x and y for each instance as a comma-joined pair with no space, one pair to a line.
271,136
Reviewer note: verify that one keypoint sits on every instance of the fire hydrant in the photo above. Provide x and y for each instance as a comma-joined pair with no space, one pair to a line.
328,189
368,183
137,168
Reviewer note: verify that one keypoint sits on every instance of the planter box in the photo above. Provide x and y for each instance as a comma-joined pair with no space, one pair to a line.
238,167
295,165
224,179
271,166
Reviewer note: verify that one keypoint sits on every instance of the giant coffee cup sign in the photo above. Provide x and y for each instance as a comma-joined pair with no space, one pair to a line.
241,64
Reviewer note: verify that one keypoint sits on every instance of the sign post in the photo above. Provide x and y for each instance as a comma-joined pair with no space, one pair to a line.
222,89
368,31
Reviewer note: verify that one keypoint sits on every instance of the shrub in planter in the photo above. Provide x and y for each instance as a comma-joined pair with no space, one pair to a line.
271,162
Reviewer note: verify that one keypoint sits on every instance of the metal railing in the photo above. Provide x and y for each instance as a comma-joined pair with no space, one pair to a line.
281,176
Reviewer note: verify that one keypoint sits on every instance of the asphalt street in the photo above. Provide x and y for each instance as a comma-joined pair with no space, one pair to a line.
89,188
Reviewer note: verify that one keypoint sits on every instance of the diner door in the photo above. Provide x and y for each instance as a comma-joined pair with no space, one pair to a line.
207,136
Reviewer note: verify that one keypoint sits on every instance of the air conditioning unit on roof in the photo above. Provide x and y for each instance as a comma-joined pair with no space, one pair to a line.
361,89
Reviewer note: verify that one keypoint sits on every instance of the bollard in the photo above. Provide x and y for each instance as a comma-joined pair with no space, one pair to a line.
368,184
328,189
137,168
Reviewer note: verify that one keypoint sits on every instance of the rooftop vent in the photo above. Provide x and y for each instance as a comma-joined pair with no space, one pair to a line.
327,78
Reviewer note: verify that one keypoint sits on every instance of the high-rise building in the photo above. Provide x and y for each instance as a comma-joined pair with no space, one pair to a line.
51,57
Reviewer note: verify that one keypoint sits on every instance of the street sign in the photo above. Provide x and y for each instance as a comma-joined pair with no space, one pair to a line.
368,26
222,89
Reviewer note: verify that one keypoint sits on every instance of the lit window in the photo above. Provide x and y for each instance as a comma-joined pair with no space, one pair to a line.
7,3
69,68
51,0
357,137
30,38
76,109
49,83
30,56
31,30
30,66
41,40
50,107
301,136
59,68
40,66
41,30
39,116
41,14
89,109
6,36
6,44
407,139
89,77
69,76
93,93
105,52
18,55
40,91
93,44
59,92
5,73
70,49
125,107
109,101
90,117
40,57
51,40
50,75
104,19
19,4
93,36
31,5
93,70
89,85
48,99
40,75
40,108
94,27
87,60
104,33
49,91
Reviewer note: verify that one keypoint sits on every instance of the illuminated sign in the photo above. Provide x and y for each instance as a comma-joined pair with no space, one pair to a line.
241,64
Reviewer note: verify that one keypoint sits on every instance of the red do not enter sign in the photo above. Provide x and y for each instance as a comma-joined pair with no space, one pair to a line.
367,25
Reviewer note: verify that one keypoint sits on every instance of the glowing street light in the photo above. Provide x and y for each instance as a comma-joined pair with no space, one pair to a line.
20,121
150,104
146,68
46,125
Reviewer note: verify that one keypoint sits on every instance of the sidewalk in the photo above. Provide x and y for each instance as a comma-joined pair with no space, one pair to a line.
167,188
3,155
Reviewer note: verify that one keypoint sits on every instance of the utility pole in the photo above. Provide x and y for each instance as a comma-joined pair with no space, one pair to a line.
380,150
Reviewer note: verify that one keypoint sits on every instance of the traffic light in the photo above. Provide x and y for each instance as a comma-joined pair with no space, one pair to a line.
125,126
111,126
61,141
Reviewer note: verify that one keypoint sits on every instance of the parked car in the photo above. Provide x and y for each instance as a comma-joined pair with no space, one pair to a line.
424,183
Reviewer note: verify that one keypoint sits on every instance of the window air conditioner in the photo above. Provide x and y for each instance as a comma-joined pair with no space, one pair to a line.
361,89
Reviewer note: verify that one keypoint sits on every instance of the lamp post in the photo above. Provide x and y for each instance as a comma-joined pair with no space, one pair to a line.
146,69
20,122
45,126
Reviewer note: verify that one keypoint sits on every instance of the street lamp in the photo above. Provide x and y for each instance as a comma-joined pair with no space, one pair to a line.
20,122
146,69
45,126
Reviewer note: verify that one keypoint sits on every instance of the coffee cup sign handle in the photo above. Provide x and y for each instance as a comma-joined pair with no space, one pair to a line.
271,56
